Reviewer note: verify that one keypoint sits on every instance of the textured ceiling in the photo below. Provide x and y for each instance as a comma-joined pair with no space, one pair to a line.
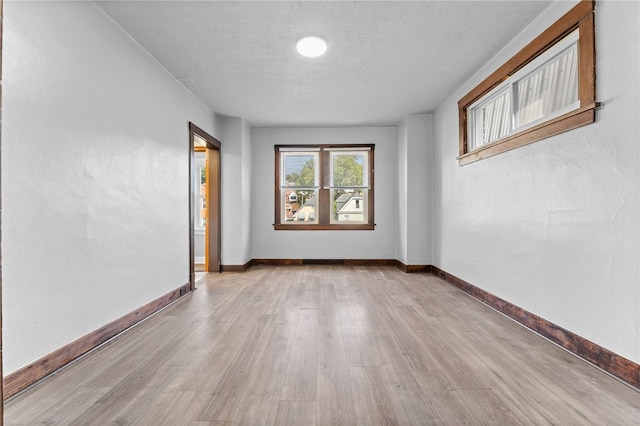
385,59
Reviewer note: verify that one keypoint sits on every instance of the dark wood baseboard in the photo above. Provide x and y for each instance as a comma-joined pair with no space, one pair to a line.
337,261
347,262
323,261
236,268
614,364
414,269
369,262
38,370
281,262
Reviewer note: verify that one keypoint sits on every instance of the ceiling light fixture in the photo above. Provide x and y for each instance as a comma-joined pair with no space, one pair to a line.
311,47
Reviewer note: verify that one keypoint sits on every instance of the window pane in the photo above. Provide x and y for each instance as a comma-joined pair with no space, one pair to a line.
492,120
551,81
349,205
550,88
299,169
299,206
348,169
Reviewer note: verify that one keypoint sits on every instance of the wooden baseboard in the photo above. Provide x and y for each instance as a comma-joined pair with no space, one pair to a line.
38,370
614,364
413,269
347,262
369,262
281,262
327,261
236,268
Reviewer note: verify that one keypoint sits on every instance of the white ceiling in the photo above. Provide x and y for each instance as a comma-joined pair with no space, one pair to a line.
385,59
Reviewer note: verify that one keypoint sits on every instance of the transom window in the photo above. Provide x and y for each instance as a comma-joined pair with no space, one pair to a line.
546,89
324,187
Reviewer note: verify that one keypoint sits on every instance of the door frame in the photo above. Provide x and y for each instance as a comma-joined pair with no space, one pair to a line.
213,225
1,329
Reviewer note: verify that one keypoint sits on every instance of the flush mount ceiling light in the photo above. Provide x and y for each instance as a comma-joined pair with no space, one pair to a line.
311,47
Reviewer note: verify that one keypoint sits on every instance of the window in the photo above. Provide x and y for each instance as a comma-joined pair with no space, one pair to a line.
333,187
546,89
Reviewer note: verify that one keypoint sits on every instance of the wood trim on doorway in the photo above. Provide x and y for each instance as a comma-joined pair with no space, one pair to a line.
1,329
213,233
212,230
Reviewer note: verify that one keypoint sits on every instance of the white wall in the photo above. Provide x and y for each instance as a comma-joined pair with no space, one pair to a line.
377,244
415,170
247,173
553,227
95,151
236,190
402,191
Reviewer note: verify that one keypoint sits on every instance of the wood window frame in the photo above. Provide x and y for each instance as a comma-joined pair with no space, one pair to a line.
579,17
324,204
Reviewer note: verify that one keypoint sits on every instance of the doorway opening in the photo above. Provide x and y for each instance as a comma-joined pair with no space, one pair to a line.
204,206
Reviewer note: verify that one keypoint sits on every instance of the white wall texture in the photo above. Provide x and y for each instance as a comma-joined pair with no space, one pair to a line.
402,191
419,212
247,199
235,166
377,244
553,227
415,168
95,148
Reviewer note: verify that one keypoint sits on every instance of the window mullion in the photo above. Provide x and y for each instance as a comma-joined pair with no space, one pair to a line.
323,192
513,93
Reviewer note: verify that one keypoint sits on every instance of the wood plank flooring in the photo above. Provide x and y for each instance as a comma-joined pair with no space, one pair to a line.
327,345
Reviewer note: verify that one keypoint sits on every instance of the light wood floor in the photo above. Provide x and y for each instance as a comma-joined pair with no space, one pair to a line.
327,345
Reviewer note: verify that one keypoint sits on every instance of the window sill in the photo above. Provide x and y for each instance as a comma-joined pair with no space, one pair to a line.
569,121
316,227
